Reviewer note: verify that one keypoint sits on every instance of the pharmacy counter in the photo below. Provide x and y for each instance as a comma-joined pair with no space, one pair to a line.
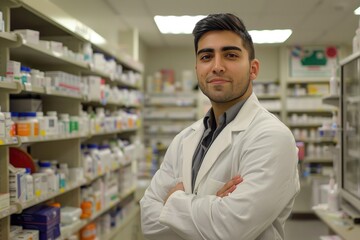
338,224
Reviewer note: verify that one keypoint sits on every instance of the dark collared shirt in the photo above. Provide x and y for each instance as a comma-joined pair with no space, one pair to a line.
209,135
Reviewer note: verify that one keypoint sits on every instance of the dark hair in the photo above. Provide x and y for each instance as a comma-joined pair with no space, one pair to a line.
224,22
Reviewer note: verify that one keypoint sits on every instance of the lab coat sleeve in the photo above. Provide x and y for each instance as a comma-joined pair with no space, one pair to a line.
152,202
269,168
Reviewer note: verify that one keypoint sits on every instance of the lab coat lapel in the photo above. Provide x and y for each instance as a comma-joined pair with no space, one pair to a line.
224,140
217,147
190,144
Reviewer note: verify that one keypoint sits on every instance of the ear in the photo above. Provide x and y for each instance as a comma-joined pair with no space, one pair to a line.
254,68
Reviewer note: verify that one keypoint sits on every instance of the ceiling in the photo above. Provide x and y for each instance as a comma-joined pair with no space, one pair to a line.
312,21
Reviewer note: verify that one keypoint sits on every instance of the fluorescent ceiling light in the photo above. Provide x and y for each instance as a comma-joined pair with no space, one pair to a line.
177,24
270,36
357,11
186,24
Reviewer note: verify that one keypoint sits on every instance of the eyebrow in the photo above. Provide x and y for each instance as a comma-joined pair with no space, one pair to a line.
223,49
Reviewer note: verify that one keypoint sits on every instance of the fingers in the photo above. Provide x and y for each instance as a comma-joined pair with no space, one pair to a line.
229,187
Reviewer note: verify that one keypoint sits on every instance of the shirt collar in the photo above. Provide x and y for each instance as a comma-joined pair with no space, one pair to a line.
225,118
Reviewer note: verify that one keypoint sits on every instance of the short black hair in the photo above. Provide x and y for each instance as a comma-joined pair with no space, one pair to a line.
224,22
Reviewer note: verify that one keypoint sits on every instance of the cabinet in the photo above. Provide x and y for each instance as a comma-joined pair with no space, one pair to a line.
120,96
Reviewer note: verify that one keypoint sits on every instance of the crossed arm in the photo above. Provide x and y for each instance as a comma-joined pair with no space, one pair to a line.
228,188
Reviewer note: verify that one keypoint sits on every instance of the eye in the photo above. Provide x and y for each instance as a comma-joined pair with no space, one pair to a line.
232,55
205,57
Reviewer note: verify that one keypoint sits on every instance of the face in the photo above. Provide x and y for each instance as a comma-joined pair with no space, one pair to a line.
223,68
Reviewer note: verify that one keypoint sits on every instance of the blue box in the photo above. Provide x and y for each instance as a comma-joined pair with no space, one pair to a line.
42,218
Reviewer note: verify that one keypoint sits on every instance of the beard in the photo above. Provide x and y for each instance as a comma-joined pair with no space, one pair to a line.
221,98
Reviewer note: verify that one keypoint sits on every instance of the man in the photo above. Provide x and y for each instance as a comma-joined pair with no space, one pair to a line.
232,175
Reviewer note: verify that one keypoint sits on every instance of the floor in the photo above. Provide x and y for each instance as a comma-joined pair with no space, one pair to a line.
296,229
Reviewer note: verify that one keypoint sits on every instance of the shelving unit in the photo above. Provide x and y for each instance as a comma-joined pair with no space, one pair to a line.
305,112
166,114
269,95
46,18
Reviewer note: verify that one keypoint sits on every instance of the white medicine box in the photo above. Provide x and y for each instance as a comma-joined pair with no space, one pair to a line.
30,36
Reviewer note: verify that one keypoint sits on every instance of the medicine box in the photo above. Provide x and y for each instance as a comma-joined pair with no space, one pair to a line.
13,70
14,230
41,217
30,36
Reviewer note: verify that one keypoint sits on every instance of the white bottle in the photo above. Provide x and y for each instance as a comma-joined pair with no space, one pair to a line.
45,167
42,123
333,196
52,123
29,185
2,126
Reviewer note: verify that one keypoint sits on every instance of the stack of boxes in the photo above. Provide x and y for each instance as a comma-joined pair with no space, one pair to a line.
45,219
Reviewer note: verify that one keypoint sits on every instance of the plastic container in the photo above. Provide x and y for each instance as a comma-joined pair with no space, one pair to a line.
45,167
65,120
88,232
25,75
42,123
333,196
29,185
2,125
74,124
10,126
52,123
70,215
27,125
98,165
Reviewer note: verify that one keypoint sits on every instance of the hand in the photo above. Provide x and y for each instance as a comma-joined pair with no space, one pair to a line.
179,186
229,187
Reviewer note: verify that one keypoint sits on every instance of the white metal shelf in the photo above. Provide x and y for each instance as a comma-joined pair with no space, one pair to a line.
68,231
333,100
37,55
307,80
19,207
269,96
15,48
303,125
8,142
317,160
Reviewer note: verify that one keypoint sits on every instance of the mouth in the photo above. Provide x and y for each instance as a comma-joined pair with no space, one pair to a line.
218,81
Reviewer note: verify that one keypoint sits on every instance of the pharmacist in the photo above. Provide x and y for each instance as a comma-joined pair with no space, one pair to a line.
233,174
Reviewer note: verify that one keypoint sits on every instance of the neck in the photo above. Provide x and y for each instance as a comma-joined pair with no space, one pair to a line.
220,108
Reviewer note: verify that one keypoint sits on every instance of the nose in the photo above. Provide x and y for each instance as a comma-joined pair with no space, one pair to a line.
218,65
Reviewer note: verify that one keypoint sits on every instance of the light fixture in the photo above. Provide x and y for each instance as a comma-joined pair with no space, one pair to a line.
270,36
177,24
186,24
357,11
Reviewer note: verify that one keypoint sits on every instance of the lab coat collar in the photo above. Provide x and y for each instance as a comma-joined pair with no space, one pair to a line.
223,141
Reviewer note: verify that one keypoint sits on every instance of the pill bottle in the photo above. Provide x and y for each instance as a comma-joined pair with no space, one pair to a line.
88,232
45,167
27,125
52,123
42,123
65,120
2,125
29,185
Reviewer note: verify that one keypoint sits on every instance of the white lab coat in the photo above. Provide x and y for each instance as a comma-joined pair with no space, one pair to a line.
255,145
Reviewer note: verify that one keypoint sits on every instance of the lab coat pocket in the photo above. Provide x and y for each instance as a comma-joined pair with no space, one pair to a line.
212,186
